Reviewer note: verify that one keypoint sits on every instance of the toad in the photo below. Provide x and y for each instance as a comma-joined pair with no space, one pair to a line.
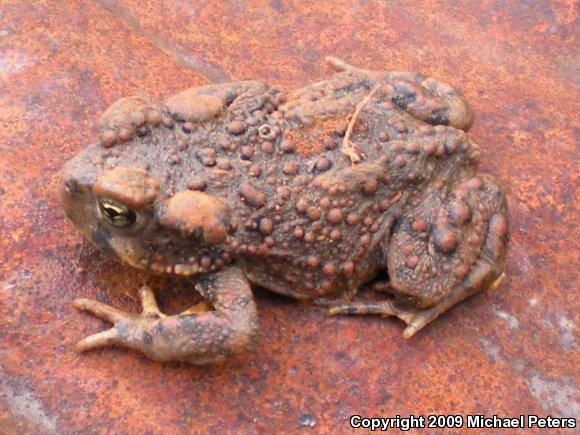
309,193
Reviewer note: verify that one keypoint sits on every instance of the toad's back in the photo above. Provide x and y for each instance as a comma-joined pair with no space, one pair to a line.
310,220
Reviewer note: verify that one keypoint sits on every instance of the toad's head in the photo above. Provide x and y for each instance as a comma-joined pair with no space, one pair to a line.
126,212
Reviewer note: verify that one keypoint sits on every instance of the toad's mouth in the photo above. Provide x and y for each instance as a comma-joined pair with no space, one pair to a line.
180,269
151,260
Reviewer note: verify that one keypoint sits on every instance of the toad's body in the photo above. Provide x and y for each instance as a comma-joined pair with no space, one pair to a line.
308,193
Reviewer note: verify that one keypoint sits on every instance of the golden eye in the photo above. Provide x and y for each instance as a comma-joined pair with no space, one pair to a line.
117,214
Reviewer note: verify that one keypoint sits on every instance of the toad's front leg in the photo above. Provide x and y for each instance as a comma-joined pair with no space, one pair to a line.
197,338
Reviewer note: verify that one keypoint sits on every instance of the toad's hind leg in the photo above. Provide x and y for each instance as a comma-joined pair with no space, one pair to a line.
431,100
426,98
436,261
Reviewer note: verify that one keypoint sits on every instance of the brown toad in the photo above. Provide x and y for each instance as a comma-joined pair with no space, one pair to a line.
309,193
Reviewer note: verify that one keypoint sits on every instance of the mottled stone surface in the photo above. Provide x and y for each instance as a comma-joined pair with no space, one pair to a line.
509,351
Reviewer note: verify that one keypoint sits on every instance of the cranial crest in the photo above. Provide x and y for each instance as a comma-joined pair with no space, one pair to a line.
133,187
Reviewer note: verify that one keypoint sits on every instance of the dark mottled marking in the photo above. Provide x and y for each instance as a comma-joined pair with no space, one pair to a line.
147,338
102,237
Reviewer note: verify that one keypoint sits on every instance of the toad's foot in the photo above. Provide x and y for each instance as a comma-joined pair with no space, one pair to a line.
414,318
150,310
196,336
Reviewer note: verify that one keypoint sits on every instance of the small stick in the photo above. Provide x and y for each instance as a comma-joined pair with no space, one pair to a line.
338,64
348,147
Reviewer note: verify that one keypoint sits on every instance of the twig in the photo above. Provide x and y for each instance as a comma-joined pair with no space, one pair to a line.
348,147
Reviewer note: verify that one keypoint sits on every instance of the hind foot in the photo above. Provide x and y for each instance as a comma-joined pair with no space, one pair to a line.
415,319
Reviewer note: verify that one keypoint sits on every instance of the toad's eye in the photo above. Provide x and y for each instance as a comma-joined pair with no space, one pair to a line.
117,214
